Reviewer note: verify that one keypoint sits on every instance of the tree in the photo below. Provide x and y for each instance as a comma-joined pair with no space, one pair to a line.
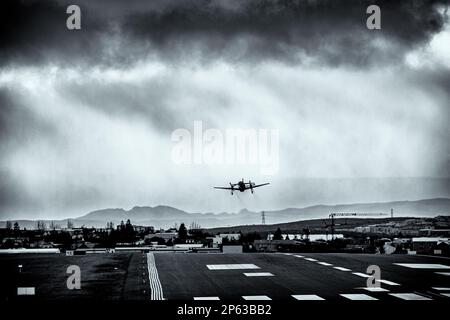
16,226
8,225
129,231
69,224
52,225
40,225
278,235
182,233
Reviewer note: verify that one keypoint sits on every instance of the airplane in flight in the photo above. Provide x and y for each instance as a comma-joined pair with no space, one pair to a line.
242,186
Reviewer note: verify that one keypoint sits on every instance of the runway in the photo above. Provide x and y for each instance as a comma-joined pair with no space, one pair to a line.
226,277
321,277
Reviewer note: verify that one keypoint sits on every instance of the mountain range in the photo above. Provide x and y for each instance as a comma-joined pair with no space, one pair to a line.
166,216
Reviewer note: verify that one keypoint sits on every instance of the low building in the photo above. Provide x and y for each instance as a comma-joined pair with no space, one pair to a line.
170,235
144,229
273,245
230,236
427,245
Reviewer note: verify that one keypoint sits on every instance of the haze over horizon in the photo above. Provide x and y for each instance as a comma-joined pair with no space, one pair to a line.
87,116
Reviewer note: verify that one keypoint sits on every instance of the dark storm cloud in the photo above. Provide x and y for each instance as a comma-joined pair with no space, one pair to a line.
32,32
332,32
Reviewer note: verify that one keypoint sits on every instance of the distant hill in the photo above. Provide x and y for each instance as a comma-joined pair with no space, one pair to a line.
315,225
166,216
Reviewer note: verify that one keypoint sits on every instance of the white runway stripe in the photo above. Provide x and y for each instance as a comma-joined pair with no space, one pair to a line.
359,274
342,269
390,283
231,266
374,289
298,256
441,288
311,259
410,296
256,298
324,263
258,274
206,298
25,291
307,297
443,273
446,295
358,297
423,265
155,285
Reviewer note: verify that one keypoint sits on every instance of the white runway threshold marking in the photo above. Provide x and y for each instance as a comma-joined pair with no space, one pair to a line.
441,288
258,274
206,298
443,273
231,266
256,298
358,297
374,289
410,296
423,265
307,297
155,284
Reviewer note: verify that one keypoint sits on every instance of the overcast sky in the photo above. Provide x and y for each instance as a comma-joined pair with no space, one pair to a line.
86,116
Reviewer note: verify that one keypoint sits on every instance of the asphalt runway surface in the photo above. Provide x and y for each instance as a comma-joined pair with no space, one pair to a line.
226,277
300,276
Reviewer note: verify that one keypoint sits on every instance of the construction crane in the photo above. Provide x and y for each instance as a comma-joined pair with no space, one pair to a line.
350,214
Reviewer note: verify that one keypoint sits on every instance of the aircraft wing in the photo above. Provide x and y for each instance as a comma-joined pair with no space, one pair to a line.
225,188
259,185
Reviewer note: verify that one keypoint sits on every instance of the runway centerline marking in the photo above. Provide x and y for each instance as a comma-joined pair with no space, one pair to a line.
390,283
231,266
206,298
311,259
358,297
359,274
324,263
441,288
423,265
298,256
256,298
155,285
258,274
342,269
410,296
307,297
